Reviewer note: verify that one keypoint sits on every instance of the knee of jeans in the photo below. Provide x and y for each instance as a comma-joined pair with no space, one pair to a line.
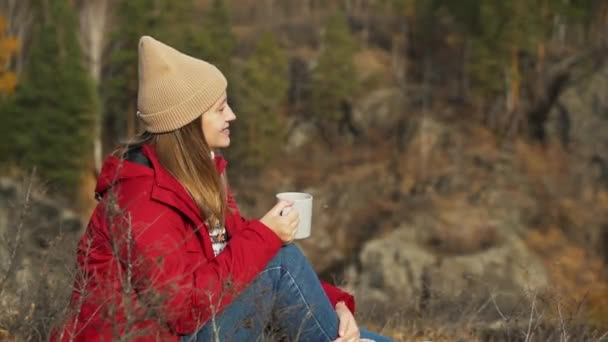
292,256
285,256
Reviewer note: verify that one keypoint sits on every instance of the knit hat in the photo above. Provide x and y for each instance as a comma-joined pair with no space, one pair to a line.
174,88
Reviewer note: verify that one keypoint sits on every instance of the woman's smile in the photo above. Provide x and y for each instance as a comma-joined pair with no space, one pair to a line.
216,124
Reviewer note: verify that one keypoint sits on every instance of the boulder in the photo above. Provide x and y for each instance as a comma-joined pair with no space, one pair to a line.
377,109
29,227
403,263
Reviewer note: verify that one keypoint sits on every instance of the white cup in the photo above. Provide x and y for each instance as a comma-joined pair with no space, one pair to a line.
302,202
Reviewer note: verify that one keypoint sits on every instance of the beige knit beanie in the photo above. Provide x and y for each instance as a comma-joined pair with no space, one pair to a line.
174,88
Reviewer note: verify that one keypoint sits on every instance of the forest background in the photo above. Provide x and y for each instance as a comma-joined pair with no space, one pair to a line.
457,150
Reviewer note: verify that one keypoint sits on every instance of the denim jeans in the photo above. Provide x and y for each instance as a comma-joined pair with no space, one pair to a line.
288,297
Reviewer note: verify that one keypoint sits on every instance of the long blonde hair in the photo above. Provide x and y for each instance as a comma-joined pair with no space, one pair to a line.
185,154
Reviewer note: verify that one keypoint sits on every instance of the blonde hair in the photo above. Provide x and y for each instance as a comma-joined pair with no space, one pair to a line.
185,154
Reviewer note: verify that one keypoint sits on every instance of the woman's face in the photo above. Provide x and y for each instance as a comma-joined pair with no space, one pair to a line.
216,122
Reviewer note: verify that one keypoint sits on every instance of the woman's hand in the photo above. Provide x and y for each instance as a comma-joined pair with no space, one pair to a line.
284,226
348,330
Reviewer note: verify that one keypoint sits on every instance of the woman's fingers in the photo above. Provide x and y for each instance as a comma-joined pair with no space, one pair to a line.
293,219
347,329
295,223
293,215
282,225
282,204
343,318
343,329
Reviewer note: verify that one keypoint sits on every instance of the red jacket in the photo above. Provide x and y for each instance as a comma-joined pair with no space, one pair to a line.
145,265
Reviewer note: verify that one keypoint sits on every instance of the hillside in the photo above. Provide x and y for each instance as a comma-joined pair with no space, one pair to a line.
457,152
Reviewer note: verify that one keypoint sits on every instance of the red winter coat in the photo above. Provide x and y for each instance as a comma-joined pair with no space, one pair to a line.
146,267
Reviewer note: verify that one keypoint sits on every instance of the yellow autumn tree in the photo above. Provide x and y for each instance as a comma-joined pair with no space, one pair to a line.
8,47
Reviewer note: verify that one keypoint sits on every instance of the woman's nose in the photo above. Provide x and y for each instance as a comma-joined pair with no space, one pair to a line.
230,114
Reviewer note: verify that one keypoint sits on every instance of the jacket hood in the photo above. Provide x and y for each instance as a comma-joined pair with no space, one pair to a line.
116,170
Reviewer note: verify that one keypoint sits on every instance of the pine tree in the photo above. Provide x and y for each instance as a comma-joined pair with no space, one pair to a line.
213,40
166,20
509,53
261,92
119,82
334,79
501,31
50,121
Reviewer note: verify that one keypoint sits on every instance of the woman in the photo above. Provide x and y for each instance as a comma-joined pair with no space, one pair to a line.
167,255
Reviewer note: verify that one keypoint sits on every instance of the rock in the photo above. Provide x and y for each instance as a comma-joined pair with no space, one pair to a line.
344,218
377,109
401,263
29,230
583,116
299,135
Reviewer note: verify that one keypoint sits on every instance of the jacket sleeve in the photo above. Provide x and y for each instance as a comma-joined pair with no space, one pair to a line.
169,279
336,295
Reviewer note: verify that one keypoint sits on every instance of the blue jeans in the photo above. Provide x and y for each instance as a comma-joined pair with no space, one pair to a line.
288,297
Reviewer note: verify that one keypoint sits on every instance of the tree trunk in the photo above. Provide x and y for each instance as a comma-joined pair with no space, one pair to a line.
93,16
93,25
19,18
541,51
399,58
465,84
513,95
514,82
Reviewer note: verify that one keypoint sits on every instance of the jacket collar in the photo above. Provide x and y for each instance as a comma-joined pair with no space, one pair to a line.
168,190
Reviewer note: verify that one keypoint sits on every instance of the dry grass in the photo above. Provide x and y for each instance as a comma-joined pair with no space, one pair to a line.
531,316
574,271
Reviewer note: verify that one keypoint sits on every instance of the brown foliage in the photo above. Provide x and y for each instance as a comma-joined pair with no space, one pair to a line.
578,278
8,47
